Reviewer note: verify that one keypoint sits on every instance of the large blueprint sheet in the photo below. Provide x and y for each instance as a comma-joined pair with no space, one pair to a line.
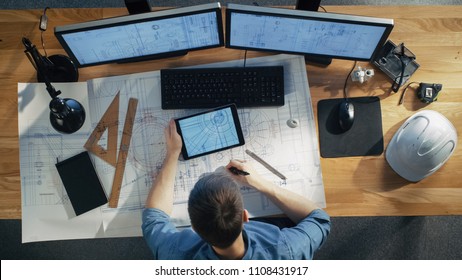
47,214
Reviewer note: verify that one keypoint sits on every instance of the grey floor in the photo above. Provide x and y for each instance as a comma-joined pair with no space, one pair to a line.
353,238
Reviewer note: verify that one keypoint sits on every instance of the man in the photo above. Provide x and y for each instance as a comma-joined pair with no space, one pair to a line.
220,225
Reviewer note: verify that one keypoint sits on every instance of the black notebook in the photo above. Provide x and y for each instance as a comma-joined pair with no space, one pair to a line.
81,183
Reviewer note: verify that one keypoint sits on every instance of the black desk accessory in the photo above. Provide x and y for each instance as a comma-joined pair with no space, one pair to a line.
398,62
81,182
364,138
66,115
138,6
190,88
308,5
59,68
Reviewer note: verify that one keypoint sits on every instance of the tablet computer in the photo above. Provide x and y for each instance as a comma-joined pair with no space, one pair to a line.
210,131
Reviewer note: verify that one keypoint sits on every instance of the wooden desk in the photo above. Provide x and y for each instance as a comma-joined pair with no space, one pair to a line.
355,186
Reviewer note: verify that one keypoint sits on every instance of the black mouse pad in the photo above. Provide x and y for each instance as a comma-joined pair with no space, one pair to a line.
364,138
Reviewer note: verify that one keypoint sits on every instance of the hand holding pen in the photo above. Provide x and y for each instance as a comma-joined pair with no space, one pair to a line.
252,179
236,171
243,171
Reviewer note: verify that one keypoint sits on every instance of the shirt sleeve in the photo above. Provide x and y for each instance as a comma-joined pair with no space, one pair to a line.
308,235
157,231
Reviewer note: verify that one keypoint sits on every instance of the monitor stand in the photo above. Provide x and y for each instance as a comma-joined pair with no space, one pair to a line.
154,57
313,6
138,6
308,5
61,70
320,61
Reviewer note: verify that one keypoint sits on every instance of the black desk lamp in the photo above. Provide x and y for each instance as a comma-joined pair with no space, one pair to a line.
66,115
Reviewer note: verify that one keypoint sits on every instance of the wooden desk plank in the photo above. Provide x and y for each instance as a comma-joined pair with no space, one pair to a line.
354,186
368,186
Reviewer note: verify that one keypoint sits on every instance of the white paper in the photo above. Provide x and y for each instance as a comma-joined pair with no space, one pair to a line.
292,151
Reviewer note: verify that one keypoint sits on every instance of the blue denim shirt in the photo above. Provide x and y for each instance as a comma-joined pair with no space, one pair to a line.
263,240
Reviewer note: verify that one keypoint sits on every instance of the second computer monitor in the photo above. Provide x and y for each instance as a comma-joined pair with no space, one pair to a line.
302,32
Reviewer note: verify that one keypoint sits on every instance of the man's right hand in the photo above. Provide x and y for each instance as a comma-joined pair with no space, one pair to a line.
295,206
253,179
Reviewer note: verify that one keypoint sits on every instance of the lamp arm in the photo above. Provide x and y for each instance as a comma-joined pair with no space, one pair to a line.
66,115
40,64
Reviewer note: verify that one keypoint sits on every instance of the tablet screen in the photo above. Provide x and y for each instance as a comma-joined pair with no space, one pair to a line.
211,131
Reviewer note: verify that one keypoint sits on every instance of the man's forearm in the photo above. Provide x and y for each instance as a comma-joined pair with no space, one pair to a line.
295,206
161,194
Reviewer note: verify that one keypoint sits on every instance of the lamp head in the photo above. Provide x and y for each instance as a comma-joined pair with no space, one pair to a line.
66,115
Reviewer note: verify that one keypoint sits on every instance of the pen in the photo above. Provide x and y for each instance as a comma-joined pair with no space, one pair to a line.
265,164
236,171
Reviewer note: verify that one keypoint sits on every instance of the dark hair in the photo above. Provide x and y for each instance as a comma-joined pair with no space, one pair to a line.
215,208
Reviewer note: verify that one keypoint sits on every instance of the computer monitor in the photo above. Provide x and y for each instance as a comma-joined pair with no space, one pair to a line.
143,36
325,35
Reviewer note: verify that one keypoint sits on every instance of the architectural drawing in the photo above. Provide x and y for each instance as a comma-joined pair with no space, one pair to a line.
144,38
211,131
303,35
292,151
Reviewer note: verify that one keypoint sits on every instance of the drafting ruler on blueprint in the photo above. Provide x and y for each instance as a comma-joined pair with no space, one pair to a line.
110,121
265,164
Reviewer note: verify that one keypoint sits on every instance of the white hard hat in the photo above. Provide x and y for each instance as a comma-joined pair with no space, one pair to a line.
421,145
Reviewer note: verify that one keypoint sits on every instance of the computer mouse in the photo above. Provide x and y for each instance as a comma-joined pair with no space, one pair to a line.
346,115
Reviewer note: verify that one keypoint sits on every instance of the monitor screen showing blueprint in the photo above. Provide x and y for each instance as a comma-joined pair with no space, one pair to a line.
303,32
143,36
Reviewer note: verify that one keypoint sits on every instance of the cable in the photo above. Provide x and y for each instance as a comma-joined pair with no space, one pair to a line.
346,80
401,99
396,85
43,26
245,57
401,53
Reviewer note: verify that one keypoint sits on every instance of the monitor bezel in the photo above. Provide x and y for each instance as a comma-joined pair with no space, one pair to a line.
137,18
299,14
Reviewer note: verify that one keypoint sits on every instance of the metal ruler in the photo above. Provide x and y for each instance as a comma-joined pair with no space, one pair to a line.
265,164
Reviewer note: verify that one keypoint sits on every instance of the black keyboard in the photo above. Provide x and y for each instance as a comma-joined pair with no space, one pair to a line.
212,87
